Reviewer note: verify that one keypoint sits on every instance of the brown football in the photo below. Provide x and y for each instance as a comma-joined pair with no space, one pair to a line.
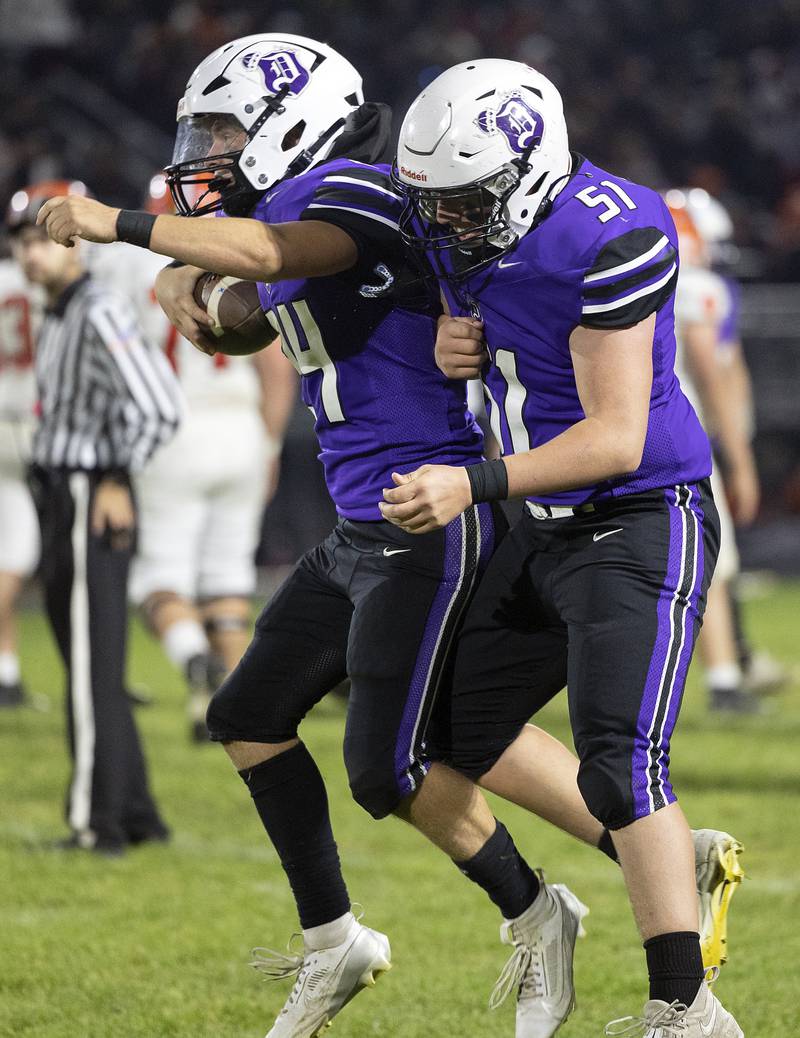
240,325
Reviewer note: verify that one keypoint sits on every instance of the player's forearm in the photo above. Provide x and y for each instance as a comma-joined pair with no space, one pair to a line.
279,383
242,248
589,452
712,389
740,391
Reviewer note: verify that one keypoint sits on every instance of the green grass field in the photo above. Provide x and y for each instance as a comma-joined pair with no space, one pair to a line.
156,944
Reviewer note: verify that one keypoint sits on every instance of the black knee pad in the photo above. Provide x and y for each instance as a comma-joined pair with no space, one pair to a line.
218,714
373,781
235,715
604,780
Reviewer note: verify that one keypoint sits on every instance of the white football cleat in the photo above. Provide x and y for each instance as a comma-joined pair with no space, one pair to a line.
540,967
704,1018
326,979
718,875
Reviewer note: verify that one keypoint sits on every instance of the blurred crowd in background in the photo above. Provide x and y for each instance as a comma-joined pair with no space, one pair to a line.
665,93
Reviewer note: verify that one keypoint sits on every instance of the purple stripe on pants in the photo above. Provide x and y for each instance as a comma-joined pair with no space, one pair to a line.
690,617
656,676
445,594
462,537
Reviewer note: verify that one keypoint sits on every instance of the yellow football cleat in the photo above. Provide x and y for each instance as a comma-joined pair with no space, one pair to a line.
718,873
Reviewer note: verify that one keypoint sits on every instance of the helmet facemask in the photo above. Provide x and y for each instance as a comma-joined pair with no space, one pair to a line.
469,225
205,174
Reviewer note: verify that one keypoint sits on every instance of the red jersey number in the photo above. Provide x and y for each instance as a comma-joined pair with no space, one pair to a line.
16,339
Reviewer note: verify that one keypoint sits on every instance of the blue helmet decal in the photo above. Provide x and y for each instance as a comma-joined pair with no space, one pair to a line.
520,124
280,68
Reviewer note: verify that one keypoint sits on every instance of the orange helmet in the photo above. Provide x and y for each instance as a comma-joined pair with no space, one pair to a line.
157,199
25,204
692,247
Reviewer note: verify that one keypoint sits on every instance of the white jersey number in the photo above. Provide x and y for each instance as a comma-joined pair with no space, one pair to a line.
512,404
589,197
308,354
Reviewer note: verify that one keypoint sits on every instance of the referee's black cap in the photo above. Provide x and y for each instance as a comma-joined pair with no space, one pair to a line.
25,204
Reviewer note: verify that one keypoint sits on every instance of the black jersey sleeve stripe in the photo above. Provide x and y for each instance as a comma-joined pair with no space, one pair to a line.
365,174
347,196
626,254
634,307
626,284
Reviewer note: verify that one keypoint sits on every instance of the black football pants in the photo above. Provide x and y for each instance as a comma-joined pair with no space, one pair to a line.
85,586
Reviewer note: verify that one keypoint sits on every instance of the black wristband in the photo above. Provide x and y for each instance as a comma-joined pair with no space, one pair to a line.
488,481
119,476
135,227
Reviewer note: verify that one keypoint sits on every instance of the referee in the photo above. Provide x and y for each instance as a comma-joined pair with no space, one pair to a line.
106,401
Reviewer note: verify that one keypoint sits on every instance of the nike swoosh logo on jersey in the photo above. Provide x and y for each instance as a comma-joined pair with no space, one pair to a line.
599,536
506,266
394,551
708,1028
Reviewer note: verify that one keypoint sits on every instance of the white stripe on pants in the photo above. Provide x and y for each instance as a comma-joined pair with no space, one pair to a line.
80,795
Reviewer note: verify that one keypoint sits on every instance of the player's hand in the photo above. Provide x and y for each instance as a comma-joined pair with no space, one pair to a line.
460,347
426,499
743,491
113,514
174,291
70,217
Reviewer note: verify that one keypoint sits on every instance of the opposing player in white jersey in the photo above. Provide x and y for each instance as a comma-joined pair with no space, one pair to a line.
20,313
201,499
762,673
702,307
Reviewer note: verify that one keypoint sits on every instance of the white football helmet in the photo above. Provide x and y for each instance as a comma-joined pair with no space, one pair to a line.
486,140
256,111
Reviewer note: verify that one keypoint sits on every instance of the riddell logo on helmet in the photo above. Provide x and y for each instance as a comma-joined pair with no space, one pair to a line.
412,174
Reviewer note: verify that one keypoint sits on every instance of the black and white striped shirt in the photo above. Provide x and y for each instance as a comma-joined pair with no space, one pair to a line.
107,398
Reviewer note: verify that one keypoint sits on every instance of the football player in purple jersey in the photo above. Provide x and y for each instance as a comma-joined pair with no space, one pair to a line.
559,277
279,126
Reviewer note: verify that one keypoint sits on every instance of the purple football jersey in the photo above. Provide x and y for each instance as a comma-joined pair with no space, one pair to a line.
605,257
379,402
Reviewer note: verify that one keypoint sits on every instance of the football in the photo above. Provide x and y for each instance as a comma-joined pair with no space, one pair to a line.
240,325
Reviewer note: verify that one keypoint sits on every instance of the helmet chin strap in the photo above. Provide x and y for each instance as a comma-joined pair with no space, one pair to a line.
305,158
546,203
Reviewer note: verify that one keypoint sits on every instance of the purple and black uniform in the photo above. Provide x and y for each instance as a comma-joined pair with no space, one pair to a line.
601,588
371,602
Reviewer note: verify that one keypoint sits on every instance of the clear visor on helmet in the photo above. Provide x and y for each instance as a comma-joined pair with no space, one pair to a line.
203,136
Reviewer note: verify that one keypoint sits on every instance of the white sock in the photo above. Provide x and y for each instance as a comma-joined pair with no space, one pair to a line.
184,639
9,668
724,676
328,935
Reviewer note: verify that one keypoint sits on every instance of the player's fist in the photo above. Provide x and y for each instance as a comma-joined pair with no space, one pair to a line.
174,289
70,217
113,515
426,499
460,347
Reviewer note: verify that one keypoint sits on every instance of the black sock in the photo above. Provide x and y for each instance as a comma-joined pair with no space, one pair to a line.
606,845
675,965
290,798
501,871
